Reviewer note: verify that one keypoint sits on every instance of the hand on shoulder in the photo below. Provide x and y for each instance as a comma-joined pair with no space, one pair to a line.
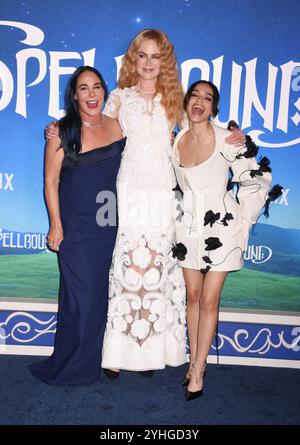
237,137
52,130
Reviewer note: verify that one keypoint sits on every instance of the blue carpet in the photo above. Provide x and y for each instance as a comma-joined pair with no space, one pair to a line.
234,395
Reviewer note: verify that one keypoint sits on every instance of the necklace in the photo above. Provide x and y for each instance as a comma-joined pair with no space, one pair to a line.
146,92
89,125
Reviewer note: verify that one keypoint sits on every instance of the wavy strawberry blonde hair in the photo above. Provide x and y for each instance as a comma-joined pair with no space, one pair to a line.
168,84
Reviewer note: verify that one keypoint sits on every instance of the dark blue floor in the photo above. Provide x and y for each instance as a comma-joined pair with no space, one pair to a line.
233,395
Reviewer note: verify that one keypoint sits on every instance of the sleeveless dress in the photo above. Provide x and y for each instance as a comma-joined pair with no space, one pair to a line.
146,316
84,259
213,225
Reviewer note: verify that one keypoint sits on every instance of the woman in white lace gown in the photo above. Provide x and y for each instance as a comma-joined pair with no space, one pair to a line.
146,316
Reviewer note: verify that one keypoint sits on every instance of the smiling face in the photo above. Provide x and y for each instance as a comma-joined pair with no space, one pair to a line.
148,60
89,94
200,105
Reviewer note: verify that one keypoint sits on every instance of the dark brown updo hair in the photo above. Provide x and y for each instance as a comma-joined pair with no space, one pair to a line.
216,96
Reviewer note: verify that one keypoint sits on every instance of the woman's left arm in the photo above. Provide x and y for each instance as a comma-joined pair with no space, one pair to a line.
253,178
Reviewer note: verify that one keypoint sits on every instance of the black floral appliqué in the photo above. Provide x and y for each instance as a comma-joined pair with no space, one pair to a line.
204,271
230,184
264,164
180,213
273,194
212,243
264,167
252,148
207,259
179,251
177,189
254,173
211,217
227,217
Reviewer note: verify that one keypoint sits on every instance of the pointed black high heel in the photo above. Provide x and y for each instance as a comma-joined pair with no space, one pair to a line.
186,379
192,395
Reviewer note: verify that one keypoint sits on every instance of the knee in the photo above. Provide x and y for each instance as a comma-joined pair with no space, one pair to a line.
209,304
193,296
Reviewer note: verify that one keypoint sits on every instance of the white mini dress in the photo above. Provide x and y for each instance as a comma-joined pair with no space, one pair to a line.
212,225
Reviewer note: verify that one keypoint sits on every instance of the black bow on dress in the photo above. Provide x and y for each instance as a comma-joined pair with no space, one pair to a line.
252,148
211,217
227,217
179,251
273,194
212,243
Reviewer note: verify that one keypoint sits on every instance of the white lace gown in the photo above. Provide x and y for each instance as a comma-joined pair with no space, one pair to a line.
146,316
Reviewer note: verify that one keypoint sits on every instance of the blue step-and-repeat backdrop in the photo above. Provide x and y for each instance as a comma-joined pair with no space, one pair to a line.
249,49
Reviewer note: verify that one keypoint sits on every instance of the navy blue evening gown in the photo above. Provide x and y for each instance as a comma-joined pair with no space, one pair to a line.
84,258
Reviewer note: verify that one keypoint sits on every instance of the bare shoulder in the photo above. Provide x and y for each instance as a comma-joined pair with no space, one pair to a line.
182,138
113,126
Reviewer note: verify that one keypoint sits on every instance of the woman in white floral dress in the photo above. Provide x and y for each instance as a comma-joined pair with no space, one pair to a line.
214,229
146,316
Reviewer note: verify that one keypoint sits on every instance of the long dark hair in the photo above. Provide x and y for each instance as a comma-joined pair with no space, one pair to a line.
216,96
70,125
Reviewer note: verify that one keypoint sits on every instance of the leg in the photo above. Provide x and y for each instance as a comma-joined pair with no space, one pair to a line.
135,314
144,292
140,302
194,284
209,306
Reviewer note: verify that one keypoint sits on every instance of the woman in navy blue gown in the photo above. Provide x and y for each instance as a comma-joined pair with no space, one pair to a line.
81,167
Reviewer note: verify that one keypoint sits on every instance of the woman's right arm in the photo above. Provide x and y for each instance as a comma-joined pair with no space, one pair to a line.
53,163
